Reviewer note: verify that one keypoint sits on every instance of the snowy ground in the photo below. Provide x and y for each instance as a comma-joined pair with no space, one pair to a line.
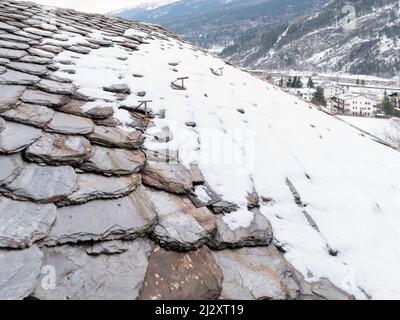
386,129
349,183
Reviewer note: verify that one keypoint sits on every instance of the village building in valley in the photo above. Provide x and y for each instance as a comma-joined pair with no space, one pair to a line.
332,90
306,94
341,101
356,105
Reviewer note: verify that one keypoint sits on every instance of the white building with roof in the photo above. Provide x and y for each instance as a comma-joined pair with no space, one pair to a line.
304,93
332,90
356,105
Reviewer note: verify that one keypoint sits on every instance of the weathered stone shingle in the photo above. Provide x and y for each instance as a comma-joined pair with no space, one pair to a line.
125,218
16,137
34,115
43,184
59,149
23,223
12,77
9,96
11,53
10,167
19,272
70,124
30,68
44,98
181,226
104,277
116,137
114,161
94,186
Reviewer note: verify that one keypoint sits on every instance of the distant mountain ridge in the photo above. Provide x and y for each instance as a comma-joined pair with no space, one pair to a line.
325,41
220,23
141,7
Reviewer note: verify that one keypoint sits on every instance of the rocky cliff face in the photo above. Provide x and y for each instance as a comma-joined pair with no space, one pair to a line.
87,211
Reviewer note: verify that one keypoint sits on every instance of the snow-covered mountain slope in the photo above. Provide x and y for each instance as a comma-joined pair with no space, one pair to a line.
217,24
304,35
144,6
330,192
358,37
346,226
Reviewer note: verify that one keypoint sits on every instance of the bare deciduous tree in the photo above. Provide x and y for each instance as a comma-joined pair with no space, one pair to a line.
392,134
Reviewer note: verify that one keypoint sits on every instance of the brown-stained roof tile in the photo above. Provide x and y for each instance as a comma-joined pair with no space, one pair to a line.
116,137
44,98
34,115
111,161
43,184
126,218
70,124
56,149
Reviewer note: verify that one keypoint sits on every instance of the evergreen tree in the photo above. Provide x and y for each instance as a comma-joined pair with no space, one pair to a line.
299,84
281,82
289,82
387,105
319,97
310,83
294,82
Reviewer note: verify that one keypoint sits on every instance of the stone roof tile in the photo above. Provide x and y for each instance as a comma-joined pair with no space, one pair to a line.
9,96
19,272
43,184
104,277
95,187
70,124
181,226
11,166
171,177
126,218
23,223
30,68
44,98
192,275
59,149
116,137
16,137
34,115
12,77
111,161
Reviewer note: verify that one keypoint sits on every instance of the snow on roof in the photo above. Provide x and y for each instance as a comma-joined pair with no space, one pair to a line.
331,84
304,90
350,96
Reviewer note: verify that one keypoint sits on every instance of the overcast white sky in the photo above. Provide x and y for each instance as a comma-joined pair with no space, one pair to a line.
98,6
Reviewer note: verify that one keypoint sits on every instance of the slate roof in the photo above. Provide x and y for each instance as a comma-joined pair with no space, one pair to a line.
81,201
